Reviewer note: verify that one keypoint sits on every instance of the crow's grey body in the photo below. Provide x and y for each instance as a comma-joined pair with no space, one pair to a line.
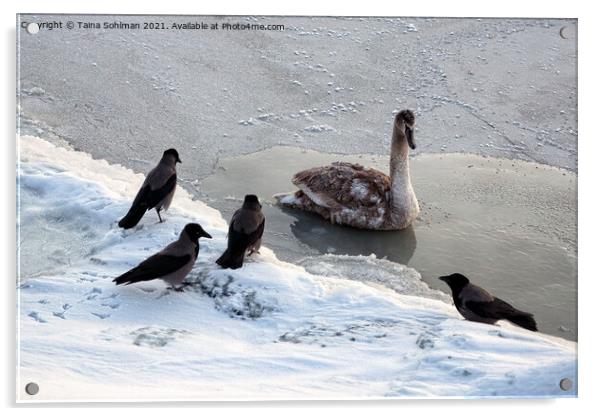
244,233
472,293
158,178
157,190
172,264
476,304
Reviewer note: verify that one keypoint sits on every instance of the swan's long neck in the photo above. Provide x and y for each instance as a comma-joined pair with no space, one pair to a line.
403,203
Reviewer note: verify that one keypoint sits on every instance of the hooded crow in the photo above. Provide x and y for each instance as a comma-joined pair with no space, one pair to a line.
476,304
172,264
157,190
245,232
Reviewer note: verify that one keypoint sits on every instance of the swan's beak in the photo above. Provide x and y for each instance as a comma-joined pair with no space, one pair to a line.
410,137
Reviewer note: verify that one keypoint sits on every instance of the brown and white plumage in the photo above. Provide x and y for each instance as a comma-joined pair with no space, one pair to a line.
350,194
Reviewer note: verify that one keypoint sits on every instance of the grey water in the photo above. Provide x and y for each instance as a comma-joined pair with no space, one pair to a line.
510,226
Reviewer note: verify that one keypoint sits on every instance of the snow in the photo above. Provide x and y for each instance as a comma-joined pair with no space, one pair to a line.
270,330
318,128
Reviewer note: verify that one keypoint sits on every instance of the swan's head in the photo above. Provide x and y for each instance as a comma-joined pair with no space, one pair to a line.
404,124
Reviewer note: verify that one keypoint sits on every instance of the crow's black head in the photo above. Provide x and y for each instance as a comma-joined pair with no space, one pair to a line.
455,281
251,202
195,231
174,153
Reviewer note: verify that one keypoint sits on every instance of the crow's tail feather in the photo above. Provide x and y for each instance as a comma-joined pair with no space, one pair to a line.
231,259
125,278
524,320
133,217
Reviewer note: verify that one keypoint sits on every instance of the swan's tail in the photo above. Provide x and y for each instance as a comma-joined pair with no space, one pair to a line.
299,200
289,199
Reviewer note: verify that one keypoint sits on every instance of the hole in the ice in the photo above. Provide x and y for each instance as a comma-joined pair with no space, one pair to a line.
33,28
566,384
32,389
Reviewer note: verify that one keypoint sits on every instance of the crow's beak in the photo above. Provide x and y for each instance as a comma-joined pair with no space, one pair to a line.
178,160
205,234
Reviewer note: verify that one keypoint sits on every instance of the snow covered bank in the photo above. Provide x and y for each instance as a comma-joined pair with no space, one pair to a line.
270,330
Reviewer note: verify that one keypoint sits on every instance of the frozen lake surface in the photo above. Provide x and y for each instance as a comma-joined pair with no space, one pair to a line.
495,87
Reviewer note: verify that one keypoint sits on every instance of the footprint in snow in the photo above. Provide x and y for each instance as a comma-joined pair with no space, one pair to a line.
112,295
511,377
163,294
36,316
111,304
98,261
156,336
497,333
425,341
464,372
93,294
459,340
61,314
111,301
101,315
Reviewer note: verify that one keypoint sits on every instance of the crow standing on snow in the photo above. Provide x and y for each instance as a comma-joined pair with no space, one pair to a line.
476,304
172,264
245,232
157,190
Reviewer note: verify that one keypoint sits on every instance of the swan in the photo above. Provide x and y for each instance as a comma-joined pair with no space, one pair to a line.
352,195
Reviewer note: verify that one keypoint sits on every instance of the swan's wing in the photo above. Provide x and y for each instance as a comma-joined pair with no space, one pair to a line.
344,185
